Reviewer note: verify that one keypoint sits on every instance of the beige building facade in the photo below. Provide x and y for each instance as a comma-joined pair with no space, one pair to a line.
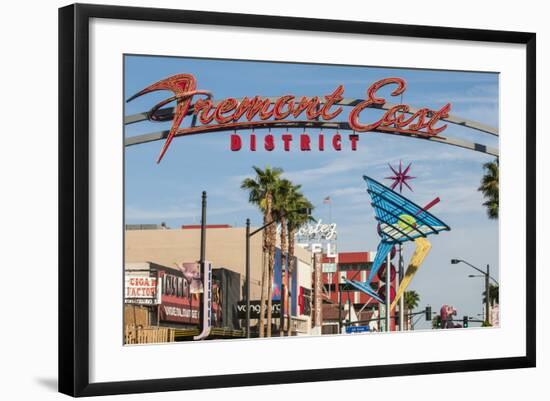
225,247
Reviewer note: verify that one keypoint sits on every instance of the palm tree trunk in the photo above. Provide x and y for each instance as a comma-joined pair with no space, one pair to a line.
271,265
264,284
291,234
272,237
284,281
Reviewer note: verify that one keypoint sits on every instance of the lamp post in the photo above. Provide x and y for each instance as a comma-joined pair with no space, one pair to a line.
248,278
202,259
388,291
486,274
401,299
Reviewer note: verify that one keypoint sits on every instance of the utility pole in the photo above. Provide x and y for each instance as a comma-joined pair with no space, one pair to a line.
487,300
339,308
349,311
282,296
402,298
487,275
202,259
388,292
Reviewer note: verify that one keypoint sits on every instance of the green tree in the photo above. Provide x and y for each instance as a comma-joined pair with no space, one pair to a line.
489,188
411,300
493,295
281,206
296,206
260,192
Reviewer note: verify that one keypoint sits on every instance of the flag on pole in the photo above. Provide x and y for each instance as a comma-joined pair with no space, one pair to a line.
327,200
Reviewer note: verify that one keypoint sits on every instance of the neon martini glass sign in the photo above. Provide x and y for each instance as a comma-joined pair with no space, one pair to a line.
262,112
400,220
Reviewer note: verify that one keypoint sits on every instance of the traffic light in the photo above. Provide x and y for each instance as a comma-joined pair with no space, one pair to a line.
465,322
428,313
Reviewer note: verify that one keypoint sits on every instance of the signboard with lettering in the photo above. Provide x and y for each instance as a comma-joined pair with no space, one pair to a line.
317,232
142,289
255,309
317,291
206,304
318,238
357,329
180,292
179,313
249,112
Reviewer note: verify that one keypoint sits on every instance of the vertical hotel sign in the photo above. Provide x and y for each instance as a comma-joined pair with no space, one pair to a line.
206,322
317,290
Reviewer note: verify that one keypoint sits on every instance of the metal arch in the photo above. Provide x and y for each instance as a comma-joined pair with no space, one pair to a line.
156,136
134,118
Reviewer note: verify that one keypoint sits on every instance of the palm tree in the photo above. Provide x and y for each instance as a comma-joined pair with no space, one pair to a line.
282,198
411,301
298,203
493,295
261,189
489,188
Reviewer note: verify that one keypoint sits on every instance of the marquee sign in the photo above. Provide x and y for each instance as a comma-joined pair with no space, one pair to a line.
317,232
262,112
318,238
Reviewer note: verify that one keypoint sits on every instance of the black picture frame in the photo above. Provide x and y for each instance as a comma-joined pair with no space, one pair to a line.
74,194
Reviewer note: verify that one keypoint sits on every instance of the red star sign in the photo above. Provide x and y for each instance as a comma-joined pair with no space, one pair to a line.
400,177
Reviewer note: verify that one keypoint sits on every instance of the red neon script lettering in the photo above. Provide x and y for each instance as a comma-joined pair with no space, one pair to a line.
262,112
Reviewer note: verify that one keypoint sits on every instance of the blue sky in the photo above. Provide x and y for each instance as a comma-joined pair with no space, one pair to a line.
170,191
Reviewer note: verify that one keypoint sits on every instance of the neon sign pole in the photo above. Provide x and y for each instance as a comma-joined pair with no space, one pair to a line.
400,177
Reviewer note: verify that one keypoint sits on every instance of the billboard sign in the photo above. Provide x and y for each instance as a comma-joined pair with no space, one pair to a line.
142,289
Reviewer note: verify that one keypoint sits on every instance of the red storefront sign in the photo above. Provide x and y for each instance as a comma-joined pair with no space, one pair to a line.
180,312
261,112
180,295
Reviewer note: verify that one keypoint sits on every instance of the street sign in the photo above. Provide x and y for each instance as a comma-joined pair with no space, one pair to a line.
357,329
329,267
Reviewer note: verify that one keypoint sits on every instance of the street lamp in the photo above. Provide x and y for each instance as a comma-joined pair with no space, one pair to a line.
487,276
